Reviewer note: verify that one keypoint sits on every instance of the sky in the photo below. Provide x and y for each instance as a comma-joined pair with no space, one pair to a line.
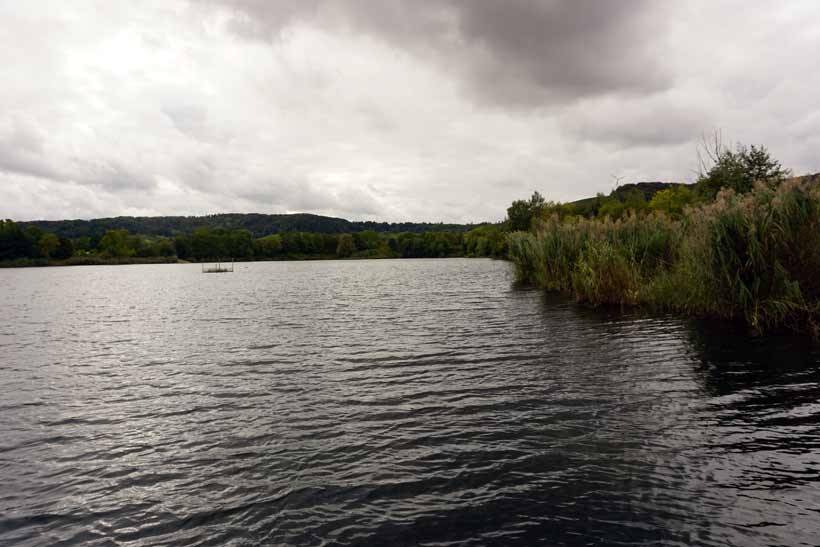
396,110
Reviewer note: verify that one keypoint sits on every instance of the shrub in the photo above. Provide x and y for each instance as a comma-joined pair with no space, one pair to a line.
738,169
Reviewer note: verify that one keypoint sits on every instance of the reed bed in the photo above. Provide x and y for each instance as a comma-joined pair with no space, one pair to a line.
753,257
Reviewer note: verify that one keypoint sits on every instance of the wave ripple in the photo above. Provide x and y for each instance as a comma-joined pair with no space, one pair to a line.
413,402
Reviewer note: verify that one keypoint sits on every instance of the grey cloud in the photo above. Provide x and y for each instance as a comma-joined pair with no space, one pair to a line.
111,174
22,152
190,120
303,195
646,122
516,53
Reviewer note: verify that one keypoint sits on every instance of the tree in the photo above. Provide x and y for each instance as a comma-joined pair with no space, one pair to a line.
239,244
64,250
47,244
738,169
521,212
346,246
268,246
365,240
206,243
673,200
116,243
14,242
183,246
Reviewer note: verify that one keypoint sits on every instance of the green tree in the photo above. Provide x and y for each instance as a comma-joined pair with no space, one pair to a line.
365,240
612,208
116,243
521,212
672,201
239,244
206,243
64,250
268,246
47,244
346,246
183,246
737,169
14,241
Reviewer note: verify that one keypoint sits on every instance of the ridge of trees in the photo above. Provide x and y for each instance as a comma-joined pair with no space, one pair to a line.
22,245
259,225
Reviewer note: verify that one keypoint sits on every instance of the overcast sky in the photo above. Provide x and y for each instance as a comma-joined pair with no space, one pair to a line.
386,109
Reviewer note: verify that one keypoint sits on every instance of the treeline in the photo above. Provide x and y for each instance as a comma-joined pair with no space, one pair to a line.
205,244
259,225
742,243
22,245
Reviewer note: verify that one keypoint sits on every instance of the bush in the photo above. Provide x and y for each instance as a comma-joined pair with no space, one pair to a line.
738,169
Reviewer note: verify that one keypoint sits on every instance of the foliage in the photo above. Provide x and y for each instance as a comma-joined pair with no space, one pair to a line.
634,197
39,247
485,241
604,275
14,242
268,246
346,246
117,244
521,213
551,257
737,169
258,225
752,256
673,201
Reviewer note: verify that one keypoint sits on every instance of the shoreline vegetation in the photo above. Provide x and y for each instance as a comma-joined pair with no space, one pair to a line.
742,244
29,245
94,260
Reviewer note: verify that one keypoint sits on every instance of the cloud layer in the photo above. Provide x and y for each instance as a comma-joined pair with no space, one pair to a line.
394,110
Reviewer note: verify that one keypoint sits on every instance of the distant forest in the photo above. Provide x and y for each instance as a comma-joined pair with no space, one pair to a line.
258,225
106,241
124,240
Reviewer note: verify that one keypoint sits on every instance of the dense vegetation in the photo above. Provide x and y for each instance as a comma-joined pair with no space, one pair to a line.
258,225
27,244
743,243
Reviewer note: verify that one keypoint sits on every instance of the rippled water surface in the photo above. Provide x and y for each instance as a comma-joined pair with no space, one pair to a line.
394,402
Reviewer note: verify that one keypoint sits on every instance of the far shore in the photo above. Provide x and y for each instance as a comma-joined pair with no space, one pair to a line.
102,261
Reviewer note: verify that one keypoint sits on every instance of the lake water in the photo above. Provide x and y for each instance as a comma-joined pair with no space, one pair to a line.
387,403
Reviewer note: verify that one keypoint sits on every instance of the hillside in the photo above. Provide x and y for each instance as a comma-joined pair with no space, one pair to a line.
647,189
258,224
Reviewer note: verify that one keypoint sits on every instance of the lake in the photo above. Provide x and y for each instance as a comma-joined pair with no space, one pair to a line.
392,402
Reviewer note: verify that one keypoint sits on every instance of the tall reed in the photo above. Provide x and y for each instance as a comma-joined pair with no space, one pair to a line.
754,257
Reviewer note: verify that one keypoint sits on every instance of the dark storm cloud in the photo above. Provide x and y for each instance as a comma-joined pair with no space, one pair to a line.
515,53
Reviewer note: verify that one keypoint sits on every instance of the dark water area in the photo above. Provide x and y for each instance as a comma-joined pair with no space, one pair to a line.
394,402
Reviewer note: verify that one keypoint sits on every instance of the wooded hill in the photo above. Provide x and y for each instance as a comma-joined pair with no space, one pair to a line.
647,190
259,225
